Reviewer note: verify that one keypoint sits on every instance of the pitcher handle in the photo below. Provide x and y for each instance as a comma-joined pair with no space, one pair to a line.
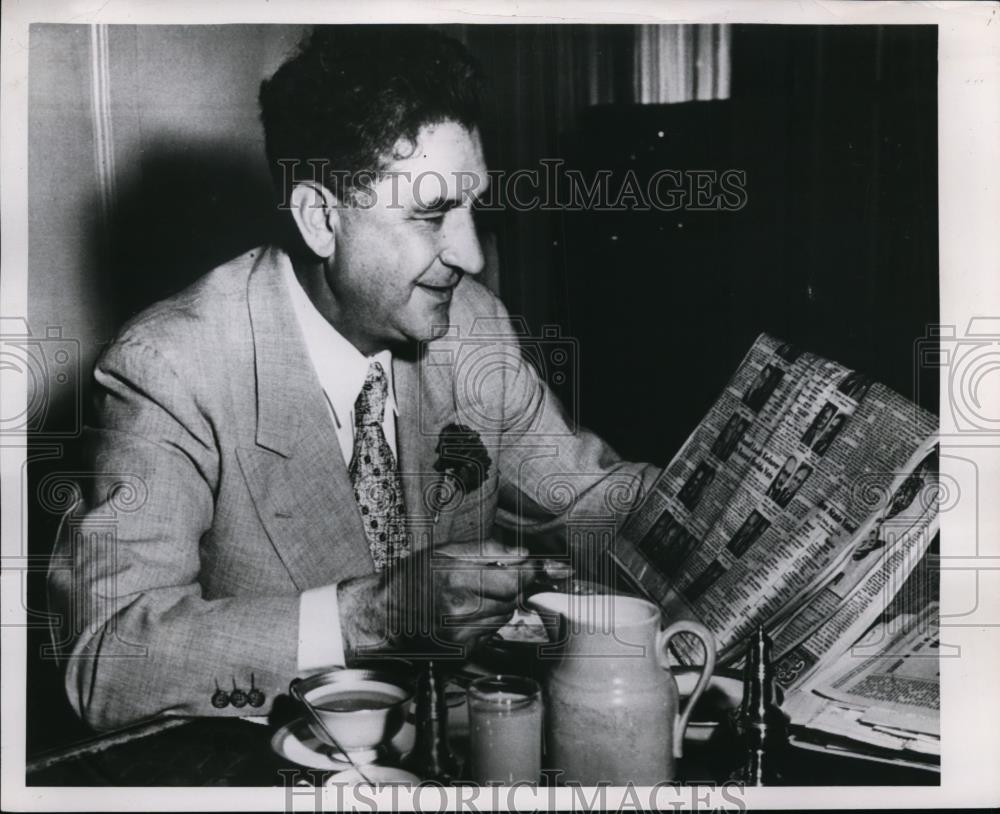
708,642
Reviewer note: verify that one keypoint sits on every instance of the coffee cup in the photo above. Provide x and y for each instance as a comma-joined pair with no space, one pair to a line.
359,708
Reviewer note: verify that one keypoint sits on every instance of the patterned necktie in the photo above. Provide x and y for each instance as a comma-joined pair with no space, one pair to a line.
377,486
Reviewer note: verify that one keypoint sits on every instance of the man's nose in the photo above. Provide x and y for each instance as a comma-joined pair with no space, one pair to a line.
462,249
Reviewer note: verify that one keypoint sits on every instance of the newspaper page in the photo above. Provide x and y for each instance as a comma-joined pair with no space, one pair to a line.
886,702
899,689
850,595
883,696
762,516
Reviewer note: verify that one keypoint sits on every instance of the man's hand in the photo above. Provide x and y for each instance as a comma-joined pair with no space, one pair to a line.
450,595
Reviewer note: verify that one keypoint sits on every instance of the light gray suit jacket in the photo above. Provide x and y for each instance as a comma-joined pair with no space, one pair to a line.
218,492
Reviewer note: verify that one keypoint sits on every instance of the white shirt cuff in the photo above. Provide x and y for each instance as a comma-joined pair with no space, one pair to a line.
321,643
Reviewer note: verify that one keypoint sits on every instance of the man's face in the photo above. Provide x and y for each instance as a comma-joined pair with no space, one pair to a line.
799,478
402,249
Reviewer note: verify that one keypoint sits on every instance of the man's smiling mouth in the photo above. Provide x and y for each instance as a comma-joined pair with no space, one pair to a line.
440,290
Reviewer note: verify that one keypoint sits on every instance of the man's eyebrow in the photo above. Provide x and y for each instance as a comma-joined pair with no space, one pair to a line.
443,203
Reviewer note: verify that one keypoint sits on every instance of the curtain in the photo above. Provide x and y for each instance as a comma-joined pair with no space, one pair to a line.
681,63
541,79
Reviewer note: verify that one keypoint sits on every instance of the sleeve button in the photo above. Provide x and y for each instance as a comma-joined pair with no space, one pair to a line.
220,698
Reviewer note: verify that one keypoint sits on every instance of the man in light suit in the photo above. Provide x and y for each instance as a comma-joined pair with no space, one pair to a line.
272,489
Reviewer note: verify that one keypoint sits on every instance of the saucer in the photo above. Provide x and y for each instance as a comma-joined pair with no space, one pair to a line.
376,775
722,695
296,743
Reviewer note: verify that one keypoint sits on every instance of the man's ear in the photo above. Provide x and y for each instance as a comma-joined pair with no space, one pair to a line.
315,211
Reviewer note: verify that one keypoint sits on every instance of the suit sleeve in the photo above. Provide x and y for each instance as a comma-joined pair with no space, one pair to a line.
554,475
139,637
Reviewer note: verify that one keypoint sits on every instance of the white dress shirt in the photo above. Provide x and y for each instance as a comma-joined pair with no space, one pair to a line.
341,369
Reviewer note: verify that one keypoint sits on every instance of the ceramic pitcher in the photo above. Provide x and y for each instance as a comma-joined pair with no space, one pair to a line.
611,700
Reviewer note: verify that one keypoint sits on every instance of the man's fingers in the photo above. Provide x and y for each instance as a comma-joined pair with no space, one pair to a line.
499,580
556,569
482,629
474,604
485,614
492,577
496,582
489,607
490,625
550,575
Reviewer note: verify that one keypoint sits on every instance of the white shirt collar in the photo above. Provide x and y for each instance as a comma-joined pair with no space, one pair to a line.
340,366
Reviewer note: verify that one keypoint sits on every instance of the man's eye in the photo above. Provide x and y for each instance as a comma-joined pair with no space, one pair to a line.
431,217
436,211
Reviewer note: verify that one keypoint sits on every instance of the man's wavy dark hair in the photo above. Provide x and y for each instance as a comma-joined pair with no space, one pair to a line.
351,92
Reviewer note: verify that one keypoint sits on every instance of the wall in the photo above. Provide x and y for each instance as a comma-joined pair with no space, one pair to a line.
146,169
188,179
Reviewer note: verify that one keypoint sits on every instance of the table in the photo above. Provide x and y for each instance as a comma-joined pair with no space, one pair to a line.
235,752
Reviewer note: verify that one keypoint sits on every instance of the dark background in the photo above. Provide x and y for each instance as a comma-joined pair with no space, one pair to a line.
836,249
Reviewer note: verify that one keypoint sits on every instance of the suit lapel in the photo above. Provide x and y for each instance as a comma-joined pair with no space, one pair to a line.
296,473
425,407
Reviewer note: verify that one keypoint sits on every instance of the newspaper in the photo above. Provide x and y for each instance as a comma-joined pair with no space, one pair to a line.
884,697
898,686
801,502
848,596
